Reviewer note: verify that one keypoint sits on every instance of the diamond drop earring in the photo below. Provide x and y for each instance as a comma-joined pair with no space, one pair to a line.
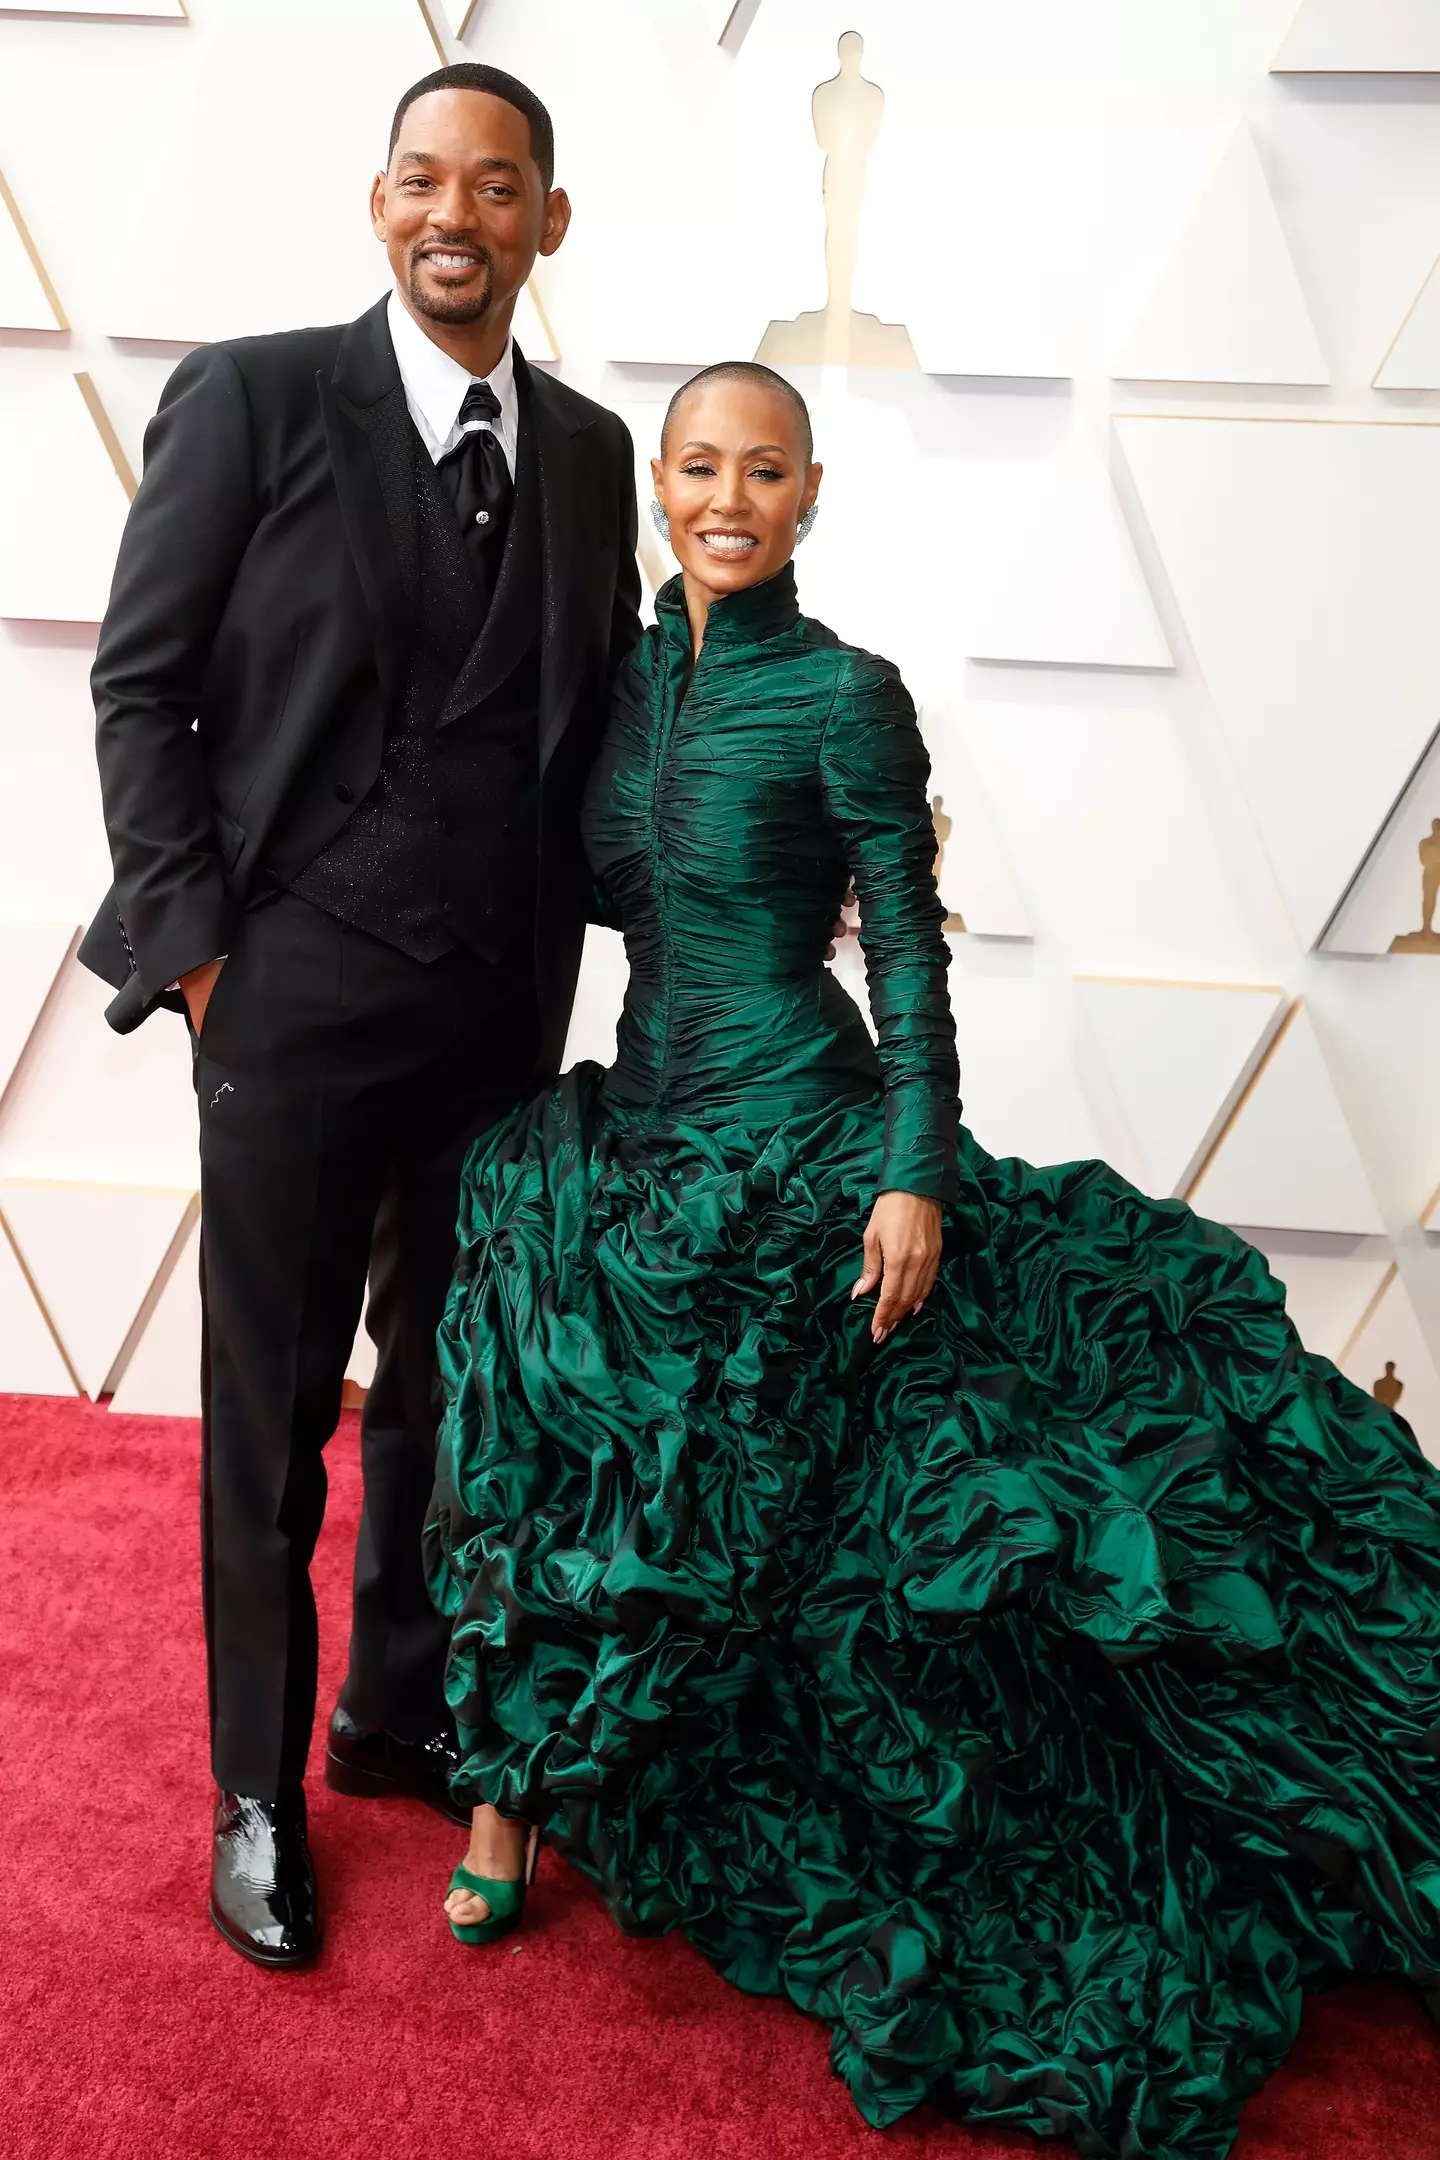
662,523
807,523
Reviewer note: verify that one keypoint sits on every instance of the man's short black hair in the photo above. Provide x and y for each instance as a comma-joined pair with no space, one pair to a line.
745,371
470,75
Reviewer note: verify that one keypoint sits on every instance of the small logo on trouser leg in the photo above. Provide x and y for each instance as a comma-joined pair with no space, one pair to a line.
226,1089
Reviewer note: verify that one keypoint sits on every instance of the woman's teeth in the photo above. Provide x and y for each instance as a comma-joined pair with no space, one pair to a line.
728,543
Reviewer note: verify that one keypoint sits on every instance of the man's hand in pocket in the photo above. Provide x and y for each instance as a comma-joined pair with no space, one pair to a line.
196,987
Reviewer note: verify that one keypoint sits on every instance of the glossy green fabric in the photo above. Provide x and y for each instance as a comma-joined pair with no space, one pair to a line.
1045,1700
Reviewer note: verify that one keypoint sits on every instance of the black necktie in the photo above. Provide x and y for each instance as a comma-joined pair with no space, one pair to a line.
478,482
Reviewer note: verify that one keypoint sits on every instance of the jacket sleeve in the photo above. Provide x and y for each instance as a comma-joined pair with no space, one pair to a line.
188,529
875,772
624,625
625,612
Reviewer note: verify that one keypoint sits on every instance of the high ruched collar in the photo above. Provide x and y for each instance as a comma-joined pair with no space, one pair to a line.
742,618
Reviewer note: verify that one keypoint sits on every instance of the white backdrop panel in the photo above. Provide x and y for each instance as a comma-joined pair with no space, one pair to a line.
1051,575
264,72
162,1378
31,956
1228,307
1178,1055
1304,558
1351,37
1394,1335
1413,361
64,506
30,1360
1109,839
1387,898
1289,1159
91,1107
92,1253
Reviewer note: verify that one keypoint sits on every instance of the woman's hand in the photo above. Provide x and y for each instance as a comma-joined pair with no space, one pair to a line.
902,1255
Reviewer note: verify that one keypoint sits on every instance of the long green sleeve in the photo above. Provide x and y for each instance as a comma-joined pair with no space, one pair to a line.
875,774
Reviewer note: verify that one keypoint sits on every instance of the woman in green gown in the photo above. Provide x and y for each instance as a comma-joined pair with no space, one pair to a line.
1026,1657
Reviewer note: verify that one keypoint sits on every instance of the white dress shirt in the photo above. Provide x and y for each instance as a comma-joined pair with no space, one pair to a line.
435,387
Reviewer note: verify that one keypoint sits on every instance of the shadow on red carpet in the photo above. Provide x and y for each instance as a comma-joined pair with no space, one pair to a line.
130,2030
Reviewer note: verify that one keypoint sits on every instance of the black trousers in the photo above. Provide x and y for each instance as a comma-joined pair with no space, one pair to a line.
340,1085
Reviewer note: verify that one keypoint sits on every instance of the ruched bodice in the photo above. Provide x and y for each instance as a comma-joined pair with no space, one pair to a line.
731,803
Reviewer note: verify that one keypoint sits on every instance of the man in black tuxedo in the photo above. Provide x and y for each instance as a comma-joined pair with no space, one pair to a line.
369,600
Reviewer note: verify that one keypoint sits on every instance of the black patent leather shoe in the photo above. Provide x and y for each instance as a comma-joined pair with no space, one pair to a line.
372,1765
262,1880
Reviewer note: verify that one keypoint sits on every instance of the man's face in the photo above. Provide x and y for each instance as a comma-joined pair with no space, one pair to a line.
462,210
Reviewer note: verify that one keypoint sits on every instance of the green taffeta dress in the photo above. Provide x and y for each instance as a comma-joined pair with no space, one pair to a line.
1046,1699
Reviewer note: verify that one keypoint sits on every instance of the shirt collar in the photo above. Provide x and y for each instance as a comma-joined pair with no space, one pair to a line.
435,382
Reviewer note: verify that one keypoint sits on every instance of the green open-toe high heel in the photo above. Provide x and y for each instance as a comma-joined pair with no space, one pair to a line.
505,1899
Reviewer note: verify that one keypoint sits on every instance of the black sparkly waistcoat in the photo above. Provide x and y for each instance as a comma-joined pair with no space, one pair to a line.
442,848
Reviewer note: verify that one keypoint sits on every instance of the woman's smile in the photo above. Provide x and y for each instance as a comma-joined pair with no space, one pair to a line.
717,541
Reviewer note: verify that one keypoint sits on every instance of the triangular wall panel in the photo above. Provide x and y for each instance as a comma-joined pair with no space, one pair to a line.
1288,1160
162,1375
1228,306
64,506
1384,910
92,1254
1413,361
1057,582
1362,37
31,956
1393,1335
1178,1056
186,269
1305,559
30,1359
976,880
127,10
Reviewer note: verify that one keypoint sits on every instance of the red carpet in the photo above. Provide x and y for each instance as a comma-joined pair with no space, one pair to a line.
129,2030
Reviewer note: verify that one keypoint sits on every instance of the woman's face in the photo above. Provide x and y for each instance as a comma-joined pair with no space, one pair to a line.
734,484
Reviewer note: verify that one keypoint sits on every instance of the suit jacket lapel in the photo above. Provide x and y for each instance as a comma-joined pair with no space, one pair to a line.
562,629
364,413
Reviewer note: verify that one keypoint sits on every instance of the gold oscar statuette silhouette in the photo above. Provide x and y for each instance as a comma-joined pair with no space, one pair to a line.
847,112
1427,937
944,826
1389,1387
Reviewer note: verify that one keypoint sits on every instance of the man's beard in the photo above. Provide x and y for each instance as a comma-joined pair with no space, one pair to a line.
454,307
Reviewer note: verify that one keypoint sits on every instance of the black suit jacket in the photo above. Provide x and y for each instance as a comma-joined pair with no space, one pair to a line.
257,640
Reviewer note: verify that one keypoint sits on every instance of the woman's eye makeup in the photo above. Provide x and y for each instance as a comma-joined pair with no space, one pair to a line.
701,469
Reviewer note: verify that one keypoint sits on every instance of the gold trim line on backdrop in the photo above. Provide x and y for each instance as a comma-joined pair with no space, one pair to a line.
1368,1315
105,428
847,112
159,1284
52,298
437,36
1242,1098
1390,349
